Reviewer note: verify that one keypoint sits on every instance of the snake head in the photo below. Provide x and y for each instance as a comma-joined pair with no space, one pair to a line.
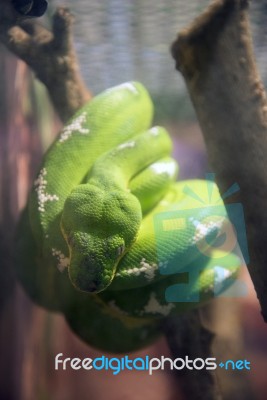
99,228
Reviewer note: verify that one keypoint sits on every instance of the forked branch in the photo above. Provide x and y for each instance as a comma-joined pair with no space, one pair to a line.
50,54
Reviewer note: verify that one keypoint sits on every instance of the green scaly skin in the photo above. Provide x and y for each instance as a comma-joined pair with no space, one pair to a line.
86,243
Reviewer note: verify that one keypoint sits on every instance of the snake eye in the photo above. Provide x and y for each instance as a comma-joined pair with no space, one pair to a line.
120,250
92,287
71,240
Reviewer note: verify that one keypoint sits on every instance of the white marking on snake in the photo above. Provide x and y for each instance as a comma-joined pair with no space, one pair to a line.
133,271
220,275
74,126
154,131
154,307
114,307
203,229
148,269
163,264
40,185
63,261
126,145
160,168
129,86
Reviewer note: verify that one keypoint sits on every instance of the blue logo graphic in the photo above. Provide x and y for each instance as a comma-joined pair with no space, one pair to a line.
209,233
233,365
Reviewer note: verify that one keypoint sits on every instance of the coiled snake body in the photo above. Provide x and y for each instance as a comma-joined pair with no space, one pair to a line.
87,245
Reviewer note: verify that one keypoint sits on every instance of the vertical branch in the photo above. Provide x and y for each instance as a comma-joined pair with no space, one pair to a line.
187,337
215,56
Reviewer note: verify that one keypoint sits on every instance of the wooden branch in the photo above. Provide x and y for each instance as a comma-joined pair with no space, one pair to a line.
50,55
215,56
187,336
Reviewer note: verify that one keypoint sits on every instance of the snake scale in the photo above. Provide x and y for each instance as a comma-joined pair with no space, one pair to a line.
87,244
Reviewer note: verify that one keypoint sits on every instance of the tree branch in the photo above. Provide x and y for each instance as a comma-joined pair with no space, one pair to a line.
215,56
50,55
187,336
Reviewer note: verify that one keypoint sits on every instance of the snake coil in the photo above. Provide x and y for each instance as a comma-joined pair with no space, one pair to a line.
88,243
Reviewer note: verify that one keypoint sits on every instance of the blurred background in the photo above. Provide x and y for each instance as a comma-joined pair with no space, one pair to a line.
116,41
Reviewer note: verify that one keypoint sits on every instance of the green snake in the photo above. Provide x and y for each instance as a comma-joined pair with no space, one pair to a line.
87,244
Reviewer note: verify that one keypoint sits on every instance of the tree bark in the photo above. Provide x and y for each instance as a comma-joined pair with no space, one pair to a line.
188,337
215,56
50,54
